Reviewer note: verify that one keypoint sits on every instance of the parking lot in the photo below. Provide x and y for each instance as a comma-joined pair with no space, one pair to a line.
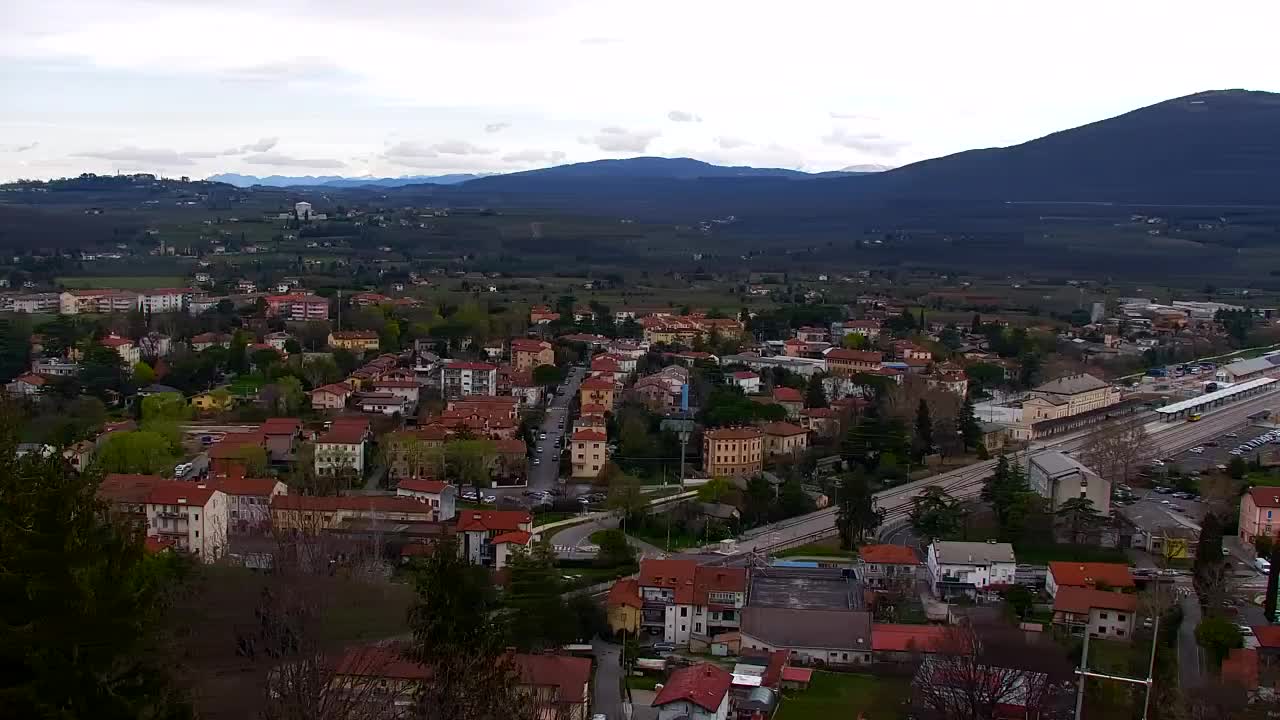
1218,451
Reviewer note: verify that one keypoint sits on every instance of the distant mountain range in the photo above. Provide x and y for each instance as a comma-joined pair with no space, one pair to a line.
640,167
338,181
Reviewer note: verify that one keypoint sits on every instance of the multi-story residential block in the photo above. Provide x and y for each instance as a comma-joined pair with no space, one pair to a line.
1260,513
483,533
590,452
128,351
74,302
662,391
730,452
783,438
1099,612
298,307
314,514
161,300
1059,478
354,340
36,303
969,568
852,362
527,354
249,502
192,517
340,451
869,329
1090,575
459,379
888,567
597,391
440,495
687,600
55,367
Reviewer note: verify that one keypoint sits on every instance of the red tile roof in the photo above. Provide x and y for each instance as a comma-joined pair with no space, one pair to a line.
1080,600
889,554
1088,575
569,675
112,341
1240,668
344,434
357,503
867,356
492,520
180,493
704,685
783,428
460,365
1268,635
667,573
711,578
1267,497
281,426
786,394
906,638
773,671
231,443
423,486
126,488
258,487
31,379
596,383
625,592
518,537
745,375
797,675
588,435
818,412
743,433
334,389
154,544
396,384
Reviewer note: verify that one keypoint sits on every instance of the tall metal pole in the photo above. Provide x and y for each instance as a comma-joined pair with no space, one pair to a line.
1151,669
1084,667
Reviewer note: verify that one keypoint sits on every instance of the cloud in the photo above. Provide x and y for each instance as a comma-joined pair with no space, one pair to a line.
600,40
872,143
496,127
144,156
407,149
727,142
261,146
616,139
306,69
683,116
535,156
460,147
20,148
851,116
279,160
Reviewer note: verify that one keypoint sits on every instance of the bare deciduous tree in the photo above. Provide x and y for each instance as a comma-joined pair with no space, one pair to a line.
1117,450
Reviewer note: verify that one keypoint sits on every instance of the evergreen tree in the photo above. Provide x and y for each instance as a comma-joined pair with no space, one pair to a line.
1010,497
536,611
975,327
1080,516
935,514
970,428
80,599
815,395
857,515
924,430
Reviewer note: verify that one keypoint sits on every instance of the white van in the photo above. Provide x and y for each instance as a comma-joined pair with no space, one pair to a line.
1263,565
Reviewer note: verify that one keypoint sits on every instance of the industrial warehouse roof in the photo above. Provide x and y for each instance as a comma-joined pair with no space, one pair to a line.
1201,400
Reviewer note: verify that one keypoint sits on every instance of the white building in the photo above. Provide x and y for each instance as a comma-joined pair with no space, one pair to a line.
968,568
689,601
483,533
1059,478
382,403
747,380
128,351
458,379
441,496
249,502
37,303
302,210
699,692
191,517
161,301
341,450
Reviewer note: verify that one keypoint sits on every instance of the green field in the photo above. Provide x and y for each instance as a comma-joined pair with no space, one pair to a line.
123,282
837,695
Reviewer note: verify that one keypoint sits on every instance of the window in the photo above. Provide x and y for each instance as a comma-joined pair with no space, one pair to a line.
844,656
1102,615
684,611
726,615
697,627
1120,618
197,533
1119,632
684,628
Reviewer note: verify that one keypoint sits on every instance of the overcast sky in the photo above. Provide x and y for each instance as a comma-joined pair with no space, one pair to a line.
389,88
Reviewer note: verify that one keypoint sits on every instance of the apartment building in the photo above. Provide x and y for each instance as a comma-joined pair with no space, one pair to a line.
126,348
686,600
969,568
885,567
851,362
730,452
783,438
527,354
75,302
161,300
482,533
597,391
298,307
1090,575
341,450
1260,513
354,340
1101,613
312,513
191,517
590,452
440,495
249,502
1059,478
35,303
460,379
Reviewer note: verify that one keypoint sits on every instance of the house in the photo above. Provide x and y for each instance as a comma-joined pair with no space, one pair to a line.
459,379
227,456
697,692
79,455
192,517
904,643
277,340
729,452
541,314
1059,478
330,397
128,351
790,399
819,421
281,437
851,362
745,380
1089,575
869,329
340,451
357,341
524,389
55,367
969,568
597,391
886,567
1259,513
482,531
607,367
204,341
406,390
828,637
249,502
590,452
527,354
383,404
1104,614
783,438
27,385
689,602
623,606
441,496
662,391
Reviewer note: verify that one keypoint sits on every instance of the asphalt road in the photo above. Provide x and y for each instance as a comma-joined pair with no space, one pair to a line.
606,694
1190,657
546,474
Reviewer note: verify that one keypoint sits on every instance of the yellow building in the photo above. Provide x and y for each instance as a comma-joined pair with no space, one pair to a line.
212,401
589,452
623,606
597,391
730,452
783,438
354,340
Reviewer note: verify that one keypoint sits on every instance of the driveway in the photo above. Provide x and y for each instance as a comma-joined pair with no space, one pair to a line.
1190,658
606,694
546,474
